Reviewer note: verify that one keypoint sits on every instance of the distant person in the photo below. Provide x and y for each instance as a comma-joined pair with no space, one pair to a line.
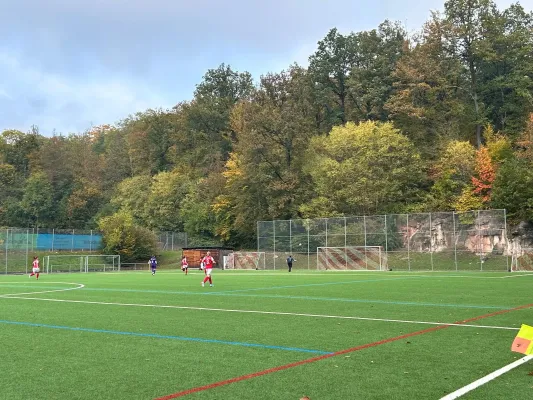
208,263
35,268
184,265
290,260
153,264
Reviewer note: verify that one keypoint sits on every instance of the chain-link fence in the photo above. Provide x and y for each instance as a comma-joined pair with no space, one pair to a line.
443,241
18,246
171,241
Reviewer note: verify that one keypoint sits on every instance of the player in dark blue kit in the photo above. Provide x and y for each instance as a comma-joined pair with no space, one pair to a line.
153,264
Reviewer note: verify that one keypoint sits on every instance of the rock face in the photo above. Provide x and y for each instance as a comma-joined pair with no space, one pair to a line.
520,238
475,232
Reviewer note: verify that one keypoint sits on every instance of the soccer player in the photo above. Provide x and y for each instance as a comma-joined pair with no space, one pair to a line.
208,262
153,264
290,260
184,265
35,268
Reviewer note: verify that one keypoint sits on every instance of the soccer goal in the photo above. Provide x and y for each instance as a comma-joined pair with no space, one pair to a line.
245,260
362,258
522,261
81,263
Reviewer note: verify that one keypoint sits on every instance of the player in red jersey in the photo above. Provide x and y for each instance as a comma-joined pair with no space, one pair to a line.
184,265
35,268
209,262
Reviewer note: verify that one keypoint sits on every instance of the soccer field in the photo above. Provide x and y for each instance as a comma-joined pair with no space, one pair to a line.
262,335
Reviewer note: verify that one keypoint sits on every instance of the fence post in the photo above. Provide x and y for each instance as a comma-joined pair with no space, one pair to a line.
27,248
408,243
480,242
308,245
506,239
455,242
345,245
386,240
53,238
274,242
290,236
6,245
364,227
431,241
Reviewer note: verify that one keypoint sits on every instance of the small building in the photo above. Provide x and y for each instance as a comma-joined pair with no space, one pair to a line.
195,254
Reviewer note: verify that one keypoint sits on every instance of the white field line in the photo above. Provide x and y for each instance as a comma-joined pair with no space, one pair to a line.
458,393
263,312
79,286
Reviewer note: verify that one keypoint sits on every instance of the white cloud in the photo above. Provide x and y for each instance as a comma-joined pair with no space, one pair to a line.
55,102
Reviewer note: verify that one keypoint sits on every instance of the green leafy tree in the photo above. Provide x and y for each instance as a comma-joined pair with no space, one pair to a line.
120,235
330,67
132,196
427,104
371,77
37,200
264,176
163,204
513,189
452,174
365,169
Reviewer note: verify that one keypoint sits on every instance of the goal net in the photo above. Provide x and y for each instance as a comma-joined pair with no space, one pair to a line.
522,261
81,263
363,258
246,260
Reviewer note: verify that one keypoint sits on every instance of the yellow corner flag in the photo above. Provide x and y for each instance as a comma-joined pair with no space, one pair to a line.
523,343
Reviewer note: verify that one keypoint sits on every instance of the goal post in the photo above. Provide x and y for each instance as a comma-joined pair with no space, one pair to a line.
357,258
245,260
81,263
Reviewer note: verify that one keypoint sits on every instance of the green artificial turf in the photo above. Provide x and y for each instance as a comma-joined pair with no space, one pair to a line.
131,335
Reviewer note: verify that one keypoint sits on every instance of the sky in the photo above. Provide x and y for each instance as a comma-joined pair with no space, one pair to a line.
67,65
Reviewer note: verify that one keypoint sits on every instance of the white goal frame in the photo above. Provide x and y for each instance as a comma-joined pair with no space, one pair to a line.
351,258
246,260
81,263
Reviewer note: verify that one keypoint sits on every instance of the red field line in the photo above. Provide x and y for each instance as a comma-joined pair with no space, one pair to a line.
323,357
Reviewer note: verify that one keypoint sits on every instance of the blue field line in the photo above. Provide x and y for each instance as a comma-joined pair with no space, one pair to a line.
157,336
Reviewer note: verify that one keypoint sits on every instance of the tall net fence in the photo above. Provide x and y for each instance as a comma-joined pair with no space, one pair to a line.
18,246
443,241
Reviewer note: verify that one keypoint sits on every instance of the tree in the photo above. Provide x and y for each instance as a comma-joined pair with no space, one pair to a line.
427,104
131,196
120,235
330,67
466,40
37,200
513,189
163,204
371,77
506,68
365,168
452,175
264,177
17,149
485,174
